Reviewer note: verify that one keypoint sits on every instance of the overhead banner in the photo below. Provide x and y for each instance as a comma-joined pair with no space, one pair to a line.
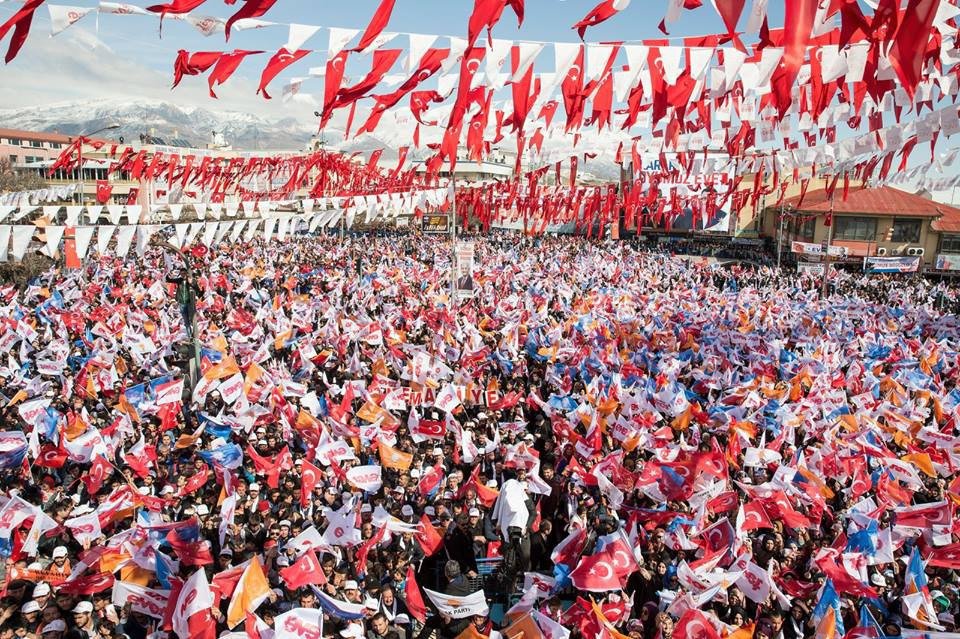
891,264
948,262
463,270
805,248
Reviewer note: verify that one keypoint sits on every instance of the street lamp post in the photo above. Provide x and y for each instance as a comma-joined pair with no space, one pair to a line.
83,136
827,258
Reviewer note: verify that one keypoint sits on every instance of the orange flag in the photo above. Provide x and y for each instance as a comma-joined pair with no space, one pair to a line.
394,458
523,628
227,367
252,590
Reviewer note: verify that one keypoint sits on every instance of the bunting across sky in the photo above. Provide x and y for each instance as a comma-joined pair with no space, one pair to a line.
835,92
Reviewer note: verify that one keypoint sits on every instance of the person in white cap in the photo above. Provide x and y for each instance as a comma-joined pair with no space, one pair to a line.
352,631
351,591
41,594
53,630
60,564
83,619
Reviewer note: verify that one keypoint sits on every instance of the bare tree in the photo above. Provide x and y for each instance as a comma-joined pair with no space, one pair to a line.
13,179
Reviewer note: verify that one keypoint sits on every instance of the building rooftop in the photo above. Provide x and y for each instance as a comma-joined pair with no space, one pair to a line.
39,136
883,200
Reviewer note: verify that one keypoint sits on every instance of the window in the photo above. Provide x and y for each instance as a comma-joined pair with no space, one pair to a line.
855,228
55,145
14,141
36,144
906,231
950,244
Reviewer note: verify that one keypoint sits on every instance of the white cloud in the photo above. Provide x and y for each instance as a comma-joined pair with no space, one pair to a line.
78,65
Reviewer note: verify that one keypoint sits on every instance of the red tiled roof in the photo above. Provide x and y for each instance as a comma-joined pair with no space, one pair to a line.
882,200
949,223
40,136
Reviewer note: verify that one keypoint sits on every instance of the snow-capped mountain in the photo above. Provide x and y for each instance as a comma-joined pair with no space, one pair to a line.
164,120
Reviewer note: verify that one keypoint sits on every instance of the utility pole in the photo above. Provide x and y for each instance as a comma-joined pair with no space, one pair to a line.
453,236
827,257
780,237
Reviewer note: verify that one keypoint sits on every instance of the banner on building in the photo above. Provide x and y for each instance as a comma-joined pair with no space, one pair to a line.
891,264
436,224
809,268
805,248
948,262
463,269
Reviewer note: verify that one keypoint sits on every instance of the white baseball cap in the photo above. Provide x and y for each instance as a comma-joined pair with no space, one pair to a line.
30,606
84,607
474,512
57,625
350,584
59,551
407,510
41,589
353,631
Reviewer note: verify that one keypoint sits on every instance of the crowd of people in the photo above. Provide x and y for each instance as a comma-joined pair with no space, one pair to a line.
602,441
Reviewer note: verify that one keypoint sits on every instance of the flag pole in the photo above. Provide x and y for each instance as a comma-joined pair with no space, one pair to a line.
453,236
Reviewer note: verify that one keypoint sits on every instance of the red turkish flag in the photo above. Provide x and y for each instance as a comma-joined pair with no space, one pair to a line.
309,477
383,61
51,456
377,24
20,23
195,553
332,80
910,45
226,65
100,470
600,13
730,11
487,13
250,9
945,557
304,571
431,479
693,624
280,61
624,563
175,6
722,503
755,517
428,537
597,573
195,483
88,585
414,599
430,429
104,191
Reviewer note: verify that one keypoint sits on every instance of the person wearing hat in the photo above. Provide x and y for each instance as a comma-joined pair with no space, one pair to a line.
352,631
83,619
53,630
351,591
60,564
30,612
41,594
